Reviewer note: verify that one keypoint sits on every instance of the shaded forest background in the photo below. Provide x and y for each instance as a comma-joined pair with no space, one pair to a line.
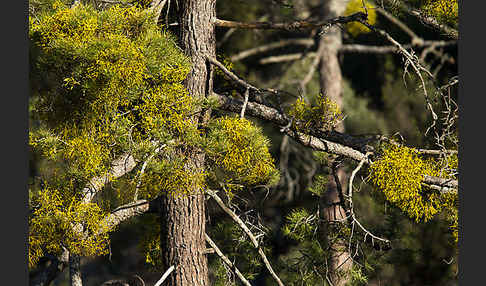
376,100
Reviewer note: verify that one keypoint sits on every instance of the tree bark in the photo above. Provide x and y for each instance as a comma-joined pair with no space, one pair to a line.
75,270
48,272
183,217
330,79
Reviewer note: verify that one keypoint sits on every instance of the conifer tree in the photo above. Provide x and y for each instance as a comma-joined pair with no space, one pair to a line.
125,121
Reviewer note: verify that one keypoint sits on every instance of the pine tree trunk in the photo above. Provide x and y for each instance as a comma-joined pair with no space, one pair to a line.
331,86
183,218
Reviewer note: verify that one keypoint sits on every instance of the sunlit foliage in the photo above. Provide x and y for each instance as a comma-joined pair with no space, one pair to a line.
103,83
238,152
52,226
400,172
110,80
445,11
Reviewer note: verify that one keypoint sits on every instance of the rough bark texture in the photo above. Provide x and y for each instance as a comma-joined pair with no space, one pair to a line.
183,218
331,86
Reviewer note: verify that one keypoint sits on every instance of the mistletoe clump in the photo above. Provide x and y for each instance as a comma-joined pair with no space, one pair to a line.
57,222
324,114
106,82
240,153
400,172
445,11
103,84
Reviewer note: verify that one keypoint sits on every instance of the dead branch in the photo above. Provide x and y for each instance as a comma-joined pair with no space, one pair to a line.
356,48
411,60
227,261
291,26
232,75
275,45
401,25
248,232
166,274
351,207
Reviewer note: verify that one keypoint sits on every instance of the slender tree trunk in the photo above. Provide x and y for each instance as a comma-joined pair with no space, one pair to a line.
183,218
331,86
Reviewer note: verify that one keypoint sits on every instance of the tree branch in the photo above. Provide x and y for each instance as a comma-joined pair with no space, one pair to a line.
275,45
127,211
330,142
427,20
156,6
291,26
120,166
166,274
400,24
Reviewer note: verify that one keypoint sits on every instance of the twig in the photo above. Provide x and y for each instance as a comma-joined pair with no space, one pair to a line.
350,199
245,103
275,45
410,60
401,25
227,261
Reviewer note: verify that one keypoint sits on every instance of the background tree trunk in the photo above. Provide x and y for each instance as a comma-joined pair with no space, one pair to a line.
75,270
330,79
183,218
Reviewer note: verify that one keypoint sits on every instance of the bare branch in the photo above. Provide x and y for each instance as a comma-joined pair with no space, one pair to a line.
166,274
231,75
436,152
248,232
350,199
441,182
356,48
127,211
275,45
245,103
227,261
411,60
291,26
400,24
